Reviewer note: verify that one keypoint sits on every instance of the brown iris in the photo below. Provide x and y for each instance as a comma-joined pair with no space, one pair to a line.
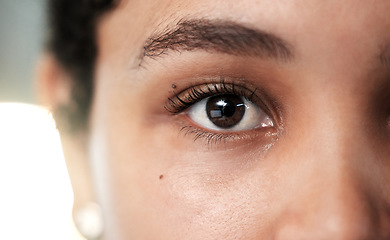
225,111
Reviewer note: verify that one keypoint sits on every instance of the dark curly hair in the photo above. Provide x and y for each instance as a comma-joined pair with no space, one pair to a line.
72,40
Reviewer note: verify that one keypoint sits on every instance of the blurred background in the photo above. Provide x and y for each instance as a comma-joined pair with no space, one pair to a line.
22,28
35,193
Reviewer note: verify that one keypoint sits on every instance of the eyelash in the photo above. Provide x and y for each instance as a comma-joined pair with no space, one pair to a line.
194,94
185,99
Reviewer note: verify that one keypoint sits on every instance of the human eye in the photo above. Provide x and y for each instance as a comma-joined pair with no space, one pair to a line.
228,112
223,110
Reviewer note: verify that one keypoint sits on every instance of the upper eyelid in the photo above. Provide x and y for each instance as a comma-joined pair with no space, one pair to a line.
196,93
184,99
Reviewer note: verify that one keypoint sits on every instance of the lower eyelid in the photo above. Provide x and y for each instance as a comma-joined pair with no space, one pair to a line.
228,140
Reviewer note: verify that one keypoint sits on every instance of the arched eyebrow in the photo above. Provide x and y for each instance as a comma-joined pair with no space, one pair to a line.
217,36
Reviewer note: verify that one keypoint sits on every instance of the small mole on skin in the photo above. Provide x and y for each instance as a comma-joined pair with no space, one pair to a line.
173,86
161,177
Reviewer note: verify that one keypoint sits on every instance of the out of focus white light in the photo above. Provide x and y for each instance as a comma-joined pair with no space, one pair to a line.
35,192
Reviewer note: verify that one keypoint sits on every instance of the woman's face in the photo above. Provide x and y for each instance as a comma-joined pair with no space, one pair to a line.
252,119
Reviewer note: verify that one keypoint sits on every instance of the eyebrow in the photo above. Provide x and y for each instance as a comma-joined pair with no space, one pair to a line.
217,36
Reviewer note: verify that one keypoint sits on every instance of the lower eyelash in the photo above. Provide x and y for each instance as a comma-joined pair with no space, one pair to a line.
216,138
210,137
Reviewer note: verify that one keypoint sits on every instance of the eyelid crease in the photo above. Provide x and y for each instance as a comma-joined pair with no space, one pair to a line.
385,57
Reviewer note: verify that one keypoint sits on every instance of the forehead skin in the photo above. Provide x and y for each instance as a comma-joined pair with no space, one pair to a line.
327,89
319,31
331,24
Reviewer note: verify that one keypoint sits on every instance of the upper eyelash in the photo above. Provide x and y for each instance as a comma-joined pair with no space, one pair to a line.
194,94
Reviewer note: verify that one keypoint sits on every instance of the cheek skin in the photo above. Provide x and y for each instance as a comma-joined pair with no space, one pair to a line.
188,202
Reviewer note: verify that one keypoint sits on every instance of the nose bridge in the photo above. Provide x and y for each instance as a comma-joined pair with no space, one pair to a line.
338,137
334,201
335,208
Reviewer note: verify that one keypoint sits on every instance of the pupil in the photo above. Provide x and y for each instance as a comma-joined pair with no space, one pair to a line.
226,110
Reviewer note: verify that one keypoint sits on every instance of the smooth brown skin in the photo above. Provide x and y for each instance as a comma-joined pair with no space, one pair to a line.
325,172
